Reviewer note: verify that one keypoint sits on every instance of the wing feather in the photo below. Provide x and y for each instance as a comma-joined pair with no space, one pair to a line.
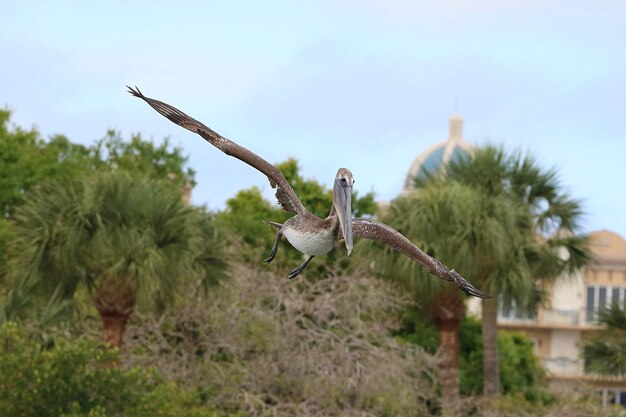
380,232
286,196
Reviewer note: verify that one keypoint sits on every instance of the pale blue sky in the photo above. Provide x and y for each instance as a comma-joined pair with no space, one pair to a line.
363,84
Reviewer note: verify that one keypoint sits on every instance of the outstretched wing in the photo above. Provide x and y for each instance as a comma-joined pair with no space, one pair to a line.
286,196
382,233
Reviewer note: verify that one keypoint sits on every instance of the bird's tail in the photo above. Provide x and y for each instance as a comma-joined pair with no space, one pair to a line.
277,226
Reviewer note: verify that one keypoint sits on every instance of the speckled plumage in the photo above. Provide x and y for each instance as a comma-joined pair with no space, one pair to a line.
380,232
310,234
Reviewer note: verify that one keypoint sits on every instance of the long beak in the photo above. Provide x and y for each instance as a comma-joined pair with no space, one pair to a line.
342,199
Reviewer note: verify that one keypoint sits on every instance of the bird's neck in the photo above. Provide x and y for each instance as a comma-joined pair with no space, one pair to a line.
333,218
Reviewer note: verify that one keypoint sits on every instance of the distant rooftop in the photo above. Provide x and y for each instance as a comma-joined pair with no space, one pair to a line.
608,249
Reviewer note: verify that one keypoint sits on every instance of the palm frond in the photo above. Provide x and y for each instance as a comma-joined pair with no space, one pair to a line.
605,353
113,226
527,223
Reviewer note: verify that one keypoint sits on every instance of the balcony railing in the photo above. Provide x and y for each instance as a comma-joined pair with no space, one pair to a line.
564,366
561,316
554,317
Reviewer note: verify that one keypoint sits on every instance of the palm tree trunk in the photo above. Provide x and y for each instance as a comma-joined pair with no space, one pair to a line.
449,369
491,369
115,301
447,311
113,328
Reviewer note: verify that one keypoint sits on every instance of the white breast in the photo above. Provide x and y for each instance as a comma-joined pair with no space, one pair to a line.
310,243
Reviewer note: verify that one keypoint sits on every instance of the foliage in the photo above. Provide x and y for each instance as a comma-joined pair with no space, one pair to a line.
551,226
27,160
21,304
269,346
474,235
243,219
74,378
143,157
529,247
572,404
521,371
5,237
477,236
114,234
418,329
30,160
605,352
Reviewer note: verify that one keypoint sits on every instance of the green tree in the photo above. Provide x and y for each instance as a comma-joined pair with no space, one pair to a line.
549,245
522,372
244,215
26,160
457,225
605,353
127,239
144,157
21,304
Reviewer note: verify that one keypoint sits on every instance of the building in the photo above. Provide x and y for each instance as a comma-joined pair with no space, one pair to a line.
561,326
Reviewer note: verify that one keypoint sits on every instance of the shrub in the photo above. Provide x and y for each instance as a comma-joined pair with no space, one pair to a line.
78,378
268,346
520,370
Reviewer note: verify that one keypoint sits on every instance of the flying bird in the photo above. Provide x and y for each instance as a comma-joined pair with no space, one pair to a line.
305,231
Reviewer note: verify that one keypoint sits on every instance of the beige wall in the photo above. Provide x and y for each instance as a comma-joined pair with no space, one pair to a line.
606,277
565,343
568,293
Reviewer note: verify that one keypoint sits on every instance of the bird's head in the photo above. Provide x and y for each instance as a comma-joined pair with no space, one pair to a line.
342,202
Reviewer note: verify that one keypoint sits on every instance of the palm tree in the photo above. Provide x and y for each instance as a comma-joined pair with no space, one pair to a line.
534,262
130,241
605,353
456,224
21,304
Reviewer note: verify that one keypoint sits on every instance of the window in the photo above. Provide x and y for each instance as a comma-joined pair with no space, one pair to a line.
509,311
600,297
612,396
615,295
591,292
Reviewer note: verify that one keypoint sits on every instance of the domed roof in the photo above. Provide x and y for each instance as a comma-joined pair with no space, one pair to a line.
438,155
608,244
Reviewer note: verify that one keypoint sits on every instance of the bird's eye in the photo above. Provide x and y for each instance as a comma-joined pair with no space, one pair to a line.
343,180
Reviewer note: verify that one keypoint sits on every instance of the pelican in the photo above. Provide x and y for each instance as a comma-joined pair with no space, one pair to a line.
306,232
